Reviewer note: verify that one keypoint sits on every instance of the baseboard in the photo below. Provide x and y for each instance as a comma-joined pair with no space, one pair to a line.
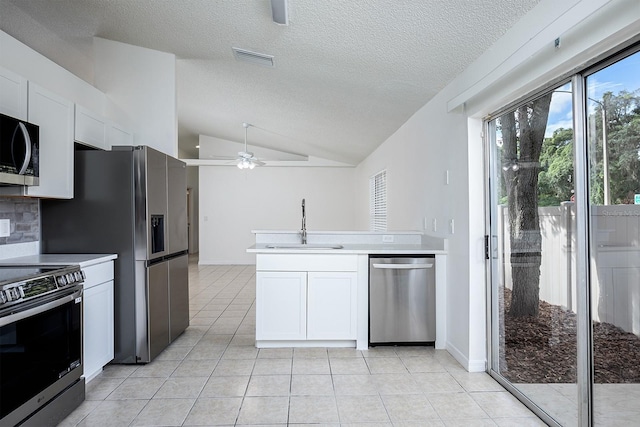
476,365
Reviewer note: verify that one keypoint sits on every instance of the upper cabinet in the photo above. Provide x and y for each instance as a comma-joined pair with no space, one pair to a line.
55,116
13,94
96,131
117,135
61,122
90,128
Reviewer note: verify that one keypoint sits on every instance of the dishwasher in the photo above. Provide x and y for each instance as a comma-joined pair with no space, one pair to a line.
402,300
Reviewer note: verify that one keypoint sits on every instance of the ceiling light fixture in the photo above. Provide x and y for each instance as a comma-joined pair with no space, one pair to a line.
246,159
279,12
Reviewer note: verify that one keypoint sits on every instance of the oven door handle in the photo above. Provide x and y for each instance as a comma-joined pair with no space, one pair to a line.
15,317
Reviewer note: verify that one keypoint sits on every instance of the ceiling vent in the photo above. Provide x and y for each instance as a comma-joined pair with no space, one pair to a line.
253,57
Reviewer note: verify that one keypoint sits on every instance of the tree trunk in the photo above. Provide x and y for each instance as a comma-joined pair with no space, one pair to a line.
523,133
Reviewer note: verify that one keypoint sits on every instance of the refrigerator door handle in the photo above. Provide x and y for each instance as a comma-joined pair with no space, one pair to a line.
403,266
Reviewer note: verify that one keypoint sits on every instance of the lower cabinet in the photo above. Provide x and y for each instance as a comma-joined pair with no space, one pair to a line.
98,318
306,305
331,306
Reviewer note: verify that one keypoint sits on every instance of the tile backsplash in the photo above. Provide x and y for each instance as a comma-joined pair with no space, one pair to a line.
24,217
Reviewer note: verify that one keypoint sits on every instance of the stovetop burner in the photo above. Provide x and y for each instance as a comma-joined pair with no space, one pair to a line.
19,283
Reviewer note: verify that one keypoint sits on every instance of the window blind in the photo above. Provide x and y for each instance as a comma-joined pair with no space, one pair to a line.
378,201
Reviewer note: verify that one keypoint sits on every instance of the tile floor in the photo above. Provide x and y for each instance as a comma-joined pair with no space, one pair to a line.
213,375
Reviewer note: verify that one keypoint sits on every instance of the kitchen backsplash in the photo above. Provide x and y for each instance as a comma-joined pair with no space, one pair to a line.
24,217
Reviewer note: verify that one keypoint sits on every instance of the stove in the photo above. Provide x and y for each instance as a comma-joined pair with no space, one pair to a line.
23,284
40,344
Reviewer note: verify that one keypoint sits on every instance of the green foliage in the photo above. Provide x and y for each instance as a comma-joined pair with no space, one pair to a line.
555,182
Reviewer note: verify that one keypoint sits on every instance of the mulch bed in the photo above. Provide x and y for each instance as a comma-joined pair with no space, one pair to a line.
543,349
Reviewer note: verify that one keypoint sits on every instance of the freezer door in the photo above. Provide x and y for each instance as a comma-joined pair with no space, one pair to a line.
177,205
178,295
401,300
151,204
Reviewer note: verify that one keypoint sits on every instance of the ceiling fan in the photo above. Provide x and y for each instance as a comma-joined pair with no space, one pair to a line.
246,159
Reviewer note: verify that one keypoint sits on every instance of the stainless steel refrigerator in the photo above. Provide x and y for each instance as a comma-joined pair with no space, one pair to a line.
131,201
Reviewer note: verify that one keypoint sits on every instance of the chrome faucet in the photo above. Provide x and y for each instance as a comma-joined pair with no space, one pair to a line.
303,232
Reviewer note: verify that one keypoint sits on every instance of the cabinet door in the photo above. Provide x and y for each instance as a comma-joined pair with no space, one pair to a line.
13,94
332,305
117,135
98,328
90,128
281,300
54,115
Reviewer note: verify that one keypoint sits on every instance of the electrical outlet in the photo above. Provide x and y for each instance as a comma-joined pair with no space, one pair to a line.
387,239
434,225
424,223
5,227
451,227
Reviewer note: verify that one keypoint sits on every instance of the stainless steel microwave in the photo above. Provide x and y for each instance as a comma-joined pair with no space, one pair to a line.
19,152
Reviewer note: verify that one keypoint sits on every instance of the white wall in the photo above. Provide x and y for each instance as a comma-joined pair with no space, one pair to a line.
235,202
142,82
446,135
21,59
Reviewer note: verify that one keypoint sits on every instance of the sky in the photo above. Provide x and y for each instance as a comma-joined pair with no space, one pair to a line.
622,75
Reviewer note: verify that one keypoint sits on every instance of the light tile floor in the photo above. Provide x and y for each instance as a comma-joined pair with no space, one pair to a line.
213,375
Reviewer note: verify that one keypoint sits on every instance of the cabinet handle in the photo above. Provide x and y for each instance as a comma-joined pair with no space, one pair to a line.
403,266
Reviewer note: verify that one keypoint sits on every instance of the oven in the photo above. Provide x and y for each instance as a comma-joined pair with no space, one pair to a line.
40,344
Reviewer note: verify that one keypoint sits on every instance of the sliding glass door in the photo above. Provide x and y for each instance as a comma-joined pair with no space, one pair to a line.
564,240
533,264
613,141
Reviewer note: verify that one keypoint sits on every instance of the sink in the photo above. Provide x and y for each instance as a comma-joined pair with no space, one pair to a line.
301,246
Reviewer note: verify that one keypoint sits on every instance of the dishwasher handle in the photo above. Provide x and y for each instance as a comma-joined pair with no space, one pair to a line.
402,266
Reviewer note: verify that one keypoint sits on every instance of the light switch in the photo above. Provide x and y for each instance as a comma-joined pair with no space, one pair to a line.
387,239
5,227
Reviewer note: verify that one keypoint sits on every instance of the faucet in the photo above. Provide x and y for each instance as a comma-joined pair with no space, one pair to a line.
303,232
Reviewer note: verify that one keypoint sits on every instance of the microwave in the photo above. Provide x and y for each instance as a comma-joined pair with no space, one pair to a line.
19,152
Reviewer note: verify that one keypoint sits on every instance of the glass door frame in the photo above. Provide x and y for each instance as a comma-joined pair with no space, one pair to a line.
583,374
583,231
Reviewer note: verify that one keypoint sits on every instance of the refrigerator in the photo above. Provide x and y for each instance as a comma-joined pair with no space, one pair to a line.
131,201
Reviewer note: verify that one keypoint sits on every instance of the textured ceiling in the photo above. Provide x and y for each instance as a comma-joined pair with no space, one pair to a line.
347,73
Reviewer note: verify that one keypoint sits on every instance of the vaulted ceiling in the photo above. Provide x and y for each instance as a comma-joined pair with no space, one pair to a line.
347,73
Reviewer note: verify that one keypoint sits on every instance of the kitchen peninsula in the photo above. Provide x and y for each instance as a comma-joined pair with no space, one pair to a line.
317,294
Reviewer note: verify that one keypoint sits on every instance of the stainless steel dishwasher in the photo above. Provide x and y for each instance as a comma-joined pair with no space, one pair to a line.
402,300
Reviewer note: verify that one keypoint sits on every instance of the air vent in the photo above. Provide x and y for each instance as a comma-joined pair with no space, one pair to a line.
254,57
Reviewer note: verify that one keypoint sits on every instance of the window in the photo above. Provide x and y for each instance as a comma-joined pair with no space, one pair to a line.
378,201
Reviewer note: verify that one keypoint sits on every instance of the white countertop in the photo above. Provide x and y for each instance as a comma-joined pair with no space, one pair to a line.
351,249
83,260
352,242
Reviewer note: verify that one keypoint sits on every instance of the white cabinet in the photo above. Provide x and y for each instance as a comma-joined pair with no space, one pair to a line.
117,135
332,305
98,318
90,128
13,94
281,301
310,302
96,131
54,115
